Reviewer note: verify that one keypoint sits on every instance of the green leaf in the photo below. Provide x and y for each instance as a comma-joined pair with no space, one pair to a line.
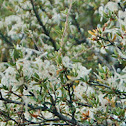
36,77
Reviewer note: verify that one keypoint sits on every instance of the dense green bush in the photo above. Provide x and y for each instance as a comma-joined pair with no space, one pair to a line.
63,62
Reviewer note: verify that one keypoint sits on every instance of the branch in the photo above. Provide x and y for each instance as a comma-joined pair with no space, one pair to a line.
98,84
106,39
60,116
41,24
53,110
66,24
7,116
72,107
122,8
82,104
106,86
67,119
20,103
54,119
56,124
5,39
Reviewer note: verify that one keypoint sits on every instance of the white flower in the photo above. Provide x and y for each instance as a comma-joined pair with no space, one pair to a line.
117,81
56,17
48,47
2,67
124,70
27,69
120,53
112,6
101,9
56,1
102,100
9,77
123,124
1,24
103,51
92,111
46,64
79,90
11,18
121,14
90,90
113,30
44,18
82,71
27,115
66,62
115,117
59,93
72,28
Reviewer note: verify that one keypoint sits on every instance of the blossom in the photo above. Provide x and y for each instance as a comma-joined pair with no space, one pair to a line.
103,51
82,71
101,9
66,62
79,90
112,6
102,100
9,77
120,53
56,18
122,17
12,18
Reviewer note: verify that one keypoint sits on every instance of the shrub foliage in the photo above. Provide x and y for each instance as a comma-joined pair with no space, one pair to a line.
63,62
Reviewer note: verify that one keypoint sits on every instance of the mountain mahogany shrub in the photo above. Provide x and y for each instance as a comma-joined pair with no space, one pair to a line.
53,74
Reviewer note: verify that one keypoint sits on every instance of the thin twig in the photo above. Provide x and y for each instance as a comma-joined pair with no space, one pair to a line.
5,39
66,24
7,116
116,91
86,105
21,103
82,52
42,25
